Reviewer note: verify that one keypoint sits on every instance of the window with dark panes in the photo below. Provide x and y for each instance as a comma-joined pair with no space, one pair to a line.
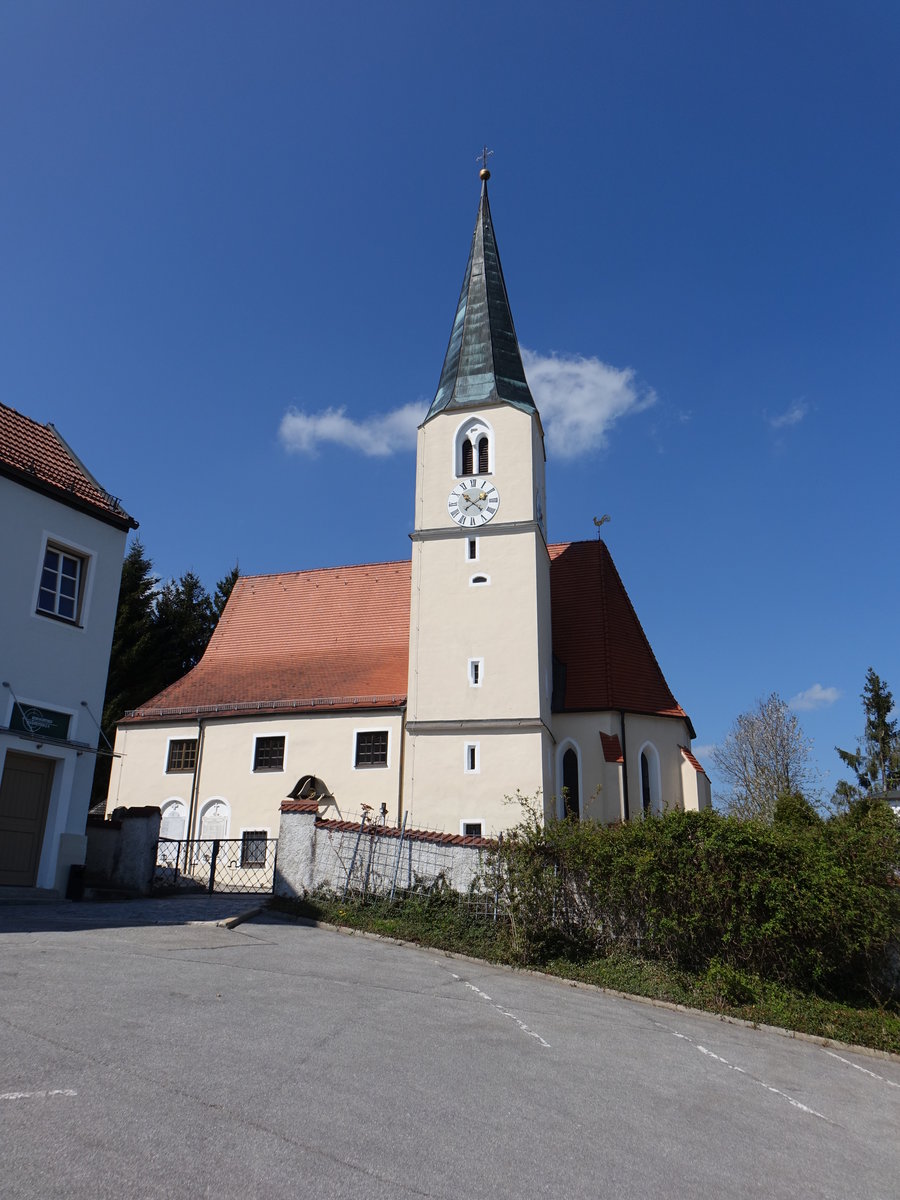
182,755
253,848
471,829
371,749
62,574
269,754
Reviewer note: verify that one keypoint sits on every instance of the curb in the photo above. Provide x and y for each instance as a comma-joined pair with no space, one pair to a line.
233,922
670,1005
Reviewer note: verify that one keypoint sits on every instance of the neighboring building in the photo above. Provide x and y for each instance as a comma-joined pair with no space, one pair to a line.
62,539
490,663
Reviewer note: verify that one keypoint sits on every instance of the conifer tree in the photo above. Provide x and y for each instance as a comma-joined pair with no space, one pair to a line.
876,763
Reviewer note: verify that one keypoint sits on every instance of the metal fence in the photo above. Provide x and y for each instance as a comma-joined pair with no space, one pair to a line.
244,864
386,862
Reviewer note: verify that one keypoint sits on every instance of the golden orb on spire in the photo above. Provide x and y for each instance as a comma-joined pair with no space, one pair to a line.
484,173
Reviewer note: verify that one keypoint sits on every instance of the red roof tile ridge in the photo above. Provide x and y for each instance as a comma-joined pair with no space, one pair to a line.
391,562
698,766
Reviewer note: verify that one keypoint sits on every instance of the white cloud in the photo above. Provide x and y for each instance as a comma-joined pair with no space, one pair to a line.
703,753
375,437
793,415
814,697
580,399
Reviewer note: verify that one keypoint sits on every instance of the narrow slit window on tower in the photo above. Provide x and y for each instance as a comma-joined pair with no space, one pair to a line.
484,460
467,458
476,672
472,549
472,763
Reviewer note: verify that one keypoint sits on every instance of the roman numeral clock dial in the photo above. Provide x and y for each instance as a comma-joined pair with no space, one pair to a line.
473,502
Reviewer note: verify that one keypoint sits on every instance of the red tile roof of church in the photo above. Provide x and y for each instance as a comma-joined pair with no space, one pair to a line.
599,639
338,638
612,747
36,456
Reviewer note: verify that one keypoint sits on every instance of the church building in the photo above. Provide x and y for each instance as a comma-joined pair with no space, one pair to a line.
488,664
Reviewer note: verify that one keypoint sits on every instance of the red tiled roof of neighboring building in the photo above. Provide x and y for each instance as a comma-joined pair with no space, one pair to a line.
36,456
331,638
598,638
693,761
612,748
338,638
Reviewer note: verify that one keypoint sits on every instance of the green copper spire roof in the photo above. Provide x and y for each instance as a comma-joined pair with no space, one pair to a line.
483,364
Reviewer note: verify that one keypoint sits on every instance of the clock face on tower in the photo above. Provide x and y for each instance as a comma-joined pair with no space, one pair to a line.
473,502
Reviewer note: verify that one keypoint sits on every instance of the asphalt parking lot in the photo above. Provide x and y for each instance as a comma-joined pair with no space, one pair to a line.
146,1051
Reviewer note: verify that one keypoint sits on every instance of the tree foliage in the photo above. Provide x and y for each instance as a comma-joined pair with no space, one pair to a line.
876,763
160,634
801,902
764,755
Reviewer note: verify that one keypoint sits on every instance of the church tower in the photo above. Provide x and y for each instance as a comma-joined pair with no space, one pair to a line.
480,661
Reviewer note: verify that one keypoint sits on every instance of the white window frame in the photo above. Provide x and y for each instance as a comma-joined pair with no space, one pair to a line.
480,580
472,541
472,821
251,829
385,766
476,770
472,430
568,744
254,770
656,801
181,771
476,672
85,556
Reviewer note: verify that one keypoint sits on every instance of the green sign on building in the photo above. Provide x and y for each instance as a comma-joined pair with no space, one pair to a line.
40,722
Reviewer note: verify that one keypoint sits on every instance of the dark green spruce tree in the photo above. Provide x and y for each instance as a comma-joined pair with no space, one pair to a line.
876,762
224,588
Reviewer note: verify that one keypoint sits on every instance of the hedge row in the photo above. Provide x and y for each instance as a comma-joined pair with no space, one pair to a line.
808,903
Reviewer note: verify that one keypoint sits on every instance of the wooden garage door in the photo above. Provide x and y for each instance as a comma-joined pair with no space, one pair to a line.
24,799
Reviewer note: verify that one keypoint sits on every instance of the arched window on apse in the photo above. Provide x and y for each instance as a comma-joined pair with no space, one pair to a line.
571,798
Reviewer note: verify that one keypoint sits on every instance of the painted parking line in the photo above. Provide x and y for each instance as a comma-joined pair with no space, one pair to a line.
864,1070
742,1071
42,1094
504,1012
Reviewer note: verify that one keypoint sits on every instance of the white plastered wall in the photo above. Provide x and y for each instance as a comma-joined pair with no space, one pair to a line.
314,745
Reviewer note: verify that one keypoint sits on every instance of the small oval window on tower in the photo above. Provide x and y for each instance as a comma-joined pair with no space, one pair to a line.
478,579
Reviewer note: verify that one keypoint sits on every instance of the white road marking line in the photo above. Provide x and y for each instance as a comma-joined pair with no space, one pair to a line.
41,1095
741,1071
503,1011
864,1070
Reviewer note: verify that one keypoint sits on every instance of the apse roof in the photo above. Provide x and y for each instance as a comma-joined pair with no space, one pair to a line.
338,638
37,457
483,364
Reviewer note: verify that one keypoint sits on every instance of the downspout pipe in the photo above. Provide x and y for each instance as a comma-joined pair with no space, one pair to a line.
195,782
624,767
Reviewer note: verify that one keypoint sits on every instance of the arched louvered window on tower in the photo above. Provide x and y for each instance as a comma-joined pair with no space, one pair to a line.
467,457
484,456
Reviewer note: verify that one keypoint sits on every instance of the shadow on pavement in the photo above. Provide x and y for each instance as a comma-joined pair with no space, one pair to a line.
70,915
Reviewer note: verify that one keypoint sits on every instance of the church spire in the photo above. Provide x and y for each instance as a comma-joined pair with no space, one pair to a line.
483,364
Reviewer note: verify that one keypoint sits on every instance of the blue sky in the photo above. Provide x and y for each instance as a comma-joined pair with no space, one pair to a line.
232,238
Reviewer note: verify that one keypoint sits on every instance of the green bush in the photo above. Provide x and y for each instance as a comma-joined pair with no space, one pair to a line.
800,902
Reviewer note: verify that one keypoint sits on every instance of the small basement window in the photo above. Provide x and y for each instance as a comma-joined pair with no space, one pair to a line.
253,847
471,828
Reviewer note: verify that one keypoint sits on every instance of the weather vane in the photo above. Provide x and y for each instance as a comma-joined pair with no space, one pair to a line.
484,156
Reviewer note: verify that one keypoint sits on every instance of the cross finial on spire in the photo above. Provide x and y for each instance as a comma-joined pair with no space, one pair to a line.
485,154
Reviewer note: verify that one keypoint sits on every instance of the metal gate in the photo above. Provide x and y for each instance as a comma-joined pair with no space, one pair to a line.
244,864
